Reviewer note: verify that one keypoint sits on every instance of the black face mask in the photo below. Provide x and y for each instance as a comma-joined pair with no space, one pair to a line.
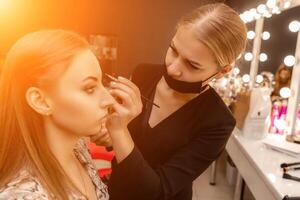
185,87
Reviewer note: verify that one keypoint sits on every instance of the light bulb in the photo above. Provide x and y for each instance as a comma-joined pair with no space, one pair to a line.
266,35
263,57
294,26
248,56
261,8
224,82
289,60
236,71
250,35
259,78
276,10
246,78
285,92
248,16
271,3
286,4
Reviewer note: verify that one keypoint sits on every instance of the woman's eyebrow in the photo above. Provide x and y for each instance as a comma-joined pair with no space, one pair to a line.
90,78
194,63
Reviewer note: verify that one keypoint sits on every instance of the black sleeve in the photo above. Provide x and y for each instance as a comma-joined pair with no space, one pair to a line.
133,178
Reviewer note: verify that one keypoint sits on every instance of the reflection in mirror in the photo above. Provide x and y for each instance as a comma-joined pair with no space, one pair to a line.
277,57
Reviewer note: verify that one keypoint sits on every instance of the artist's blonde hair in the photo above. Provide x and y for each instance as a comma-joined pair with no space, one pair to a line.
220,28
37,59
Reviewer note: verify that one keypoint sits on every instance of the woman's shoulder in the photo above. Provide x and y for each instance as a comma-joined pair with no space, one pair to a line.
23,186
217,107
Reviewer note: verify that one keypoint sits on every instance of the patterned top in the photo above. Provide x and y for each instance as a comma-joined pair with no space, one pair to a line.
28,187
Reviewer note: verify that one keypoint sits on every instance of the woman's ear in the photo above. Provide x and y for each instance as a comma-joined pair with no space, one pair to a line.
224,71
37,101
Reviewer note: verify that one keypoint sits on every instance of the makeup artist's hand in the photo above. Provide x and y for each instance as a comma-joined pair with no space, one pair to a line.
128,106
103,137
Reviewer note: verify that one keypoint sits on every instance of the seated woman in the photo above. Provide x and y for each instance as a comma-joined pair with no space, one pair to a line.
51,96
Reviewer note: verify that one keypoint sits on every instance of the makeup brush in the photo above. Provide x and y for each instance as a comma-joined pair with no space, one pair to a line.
145,98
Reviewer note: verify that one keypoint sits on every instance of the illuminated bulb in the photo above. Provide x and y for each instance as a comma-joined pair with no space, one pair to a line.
253,11
289,60
266,35
286,5
263,57
294,26
236,71
242,16
285,92
271,3
276,10
246,78
224,82
250,35
261,8
259,78
248,56
248,16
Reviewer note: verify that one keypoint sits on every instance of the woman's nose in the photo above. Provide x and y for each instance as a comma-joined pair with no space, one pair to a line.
174,69
107,100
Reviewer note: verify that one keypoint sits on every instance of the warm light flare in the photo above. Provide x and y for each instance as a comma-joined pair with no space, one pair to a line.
5,7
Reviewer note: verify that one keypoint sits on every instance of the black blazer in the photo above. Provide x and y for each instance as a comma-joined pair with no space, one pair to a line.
170,156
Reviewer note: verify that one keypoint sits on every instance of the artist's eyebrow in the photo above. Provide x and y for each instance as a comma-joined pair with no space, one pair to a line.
194,63
90,78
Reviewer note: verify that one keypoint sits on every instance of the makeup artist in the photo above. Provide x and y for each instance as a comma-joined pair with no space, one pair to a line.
169,147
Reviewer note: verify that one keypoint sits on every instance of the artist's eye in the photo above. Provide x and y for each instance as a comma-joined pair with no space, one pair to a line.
193,67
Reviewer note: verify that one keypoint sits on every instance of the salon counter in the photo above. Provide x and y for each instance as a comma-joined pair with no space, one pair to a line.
259,167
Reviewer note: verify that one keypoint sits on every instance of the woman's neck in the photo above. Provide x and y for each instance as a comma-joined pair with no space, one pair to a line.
61,143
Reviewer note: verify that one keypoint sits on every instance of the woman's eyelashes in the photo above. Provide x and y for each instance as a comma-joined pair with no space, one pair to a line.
90,88
174,52
193,66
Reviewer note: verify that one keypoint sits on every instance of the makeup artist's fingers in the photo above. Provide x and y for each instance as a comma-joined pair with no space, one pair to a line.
136,98
127,101
129,84
127,108
126,89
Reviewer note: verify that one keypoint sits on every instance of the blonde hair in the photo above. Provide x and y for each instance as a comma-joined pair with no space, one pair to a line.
37,59
220,28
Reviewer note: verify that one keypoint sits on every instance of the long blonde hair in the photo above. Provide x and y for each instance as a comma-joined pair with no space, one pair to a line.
37,59
220,28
